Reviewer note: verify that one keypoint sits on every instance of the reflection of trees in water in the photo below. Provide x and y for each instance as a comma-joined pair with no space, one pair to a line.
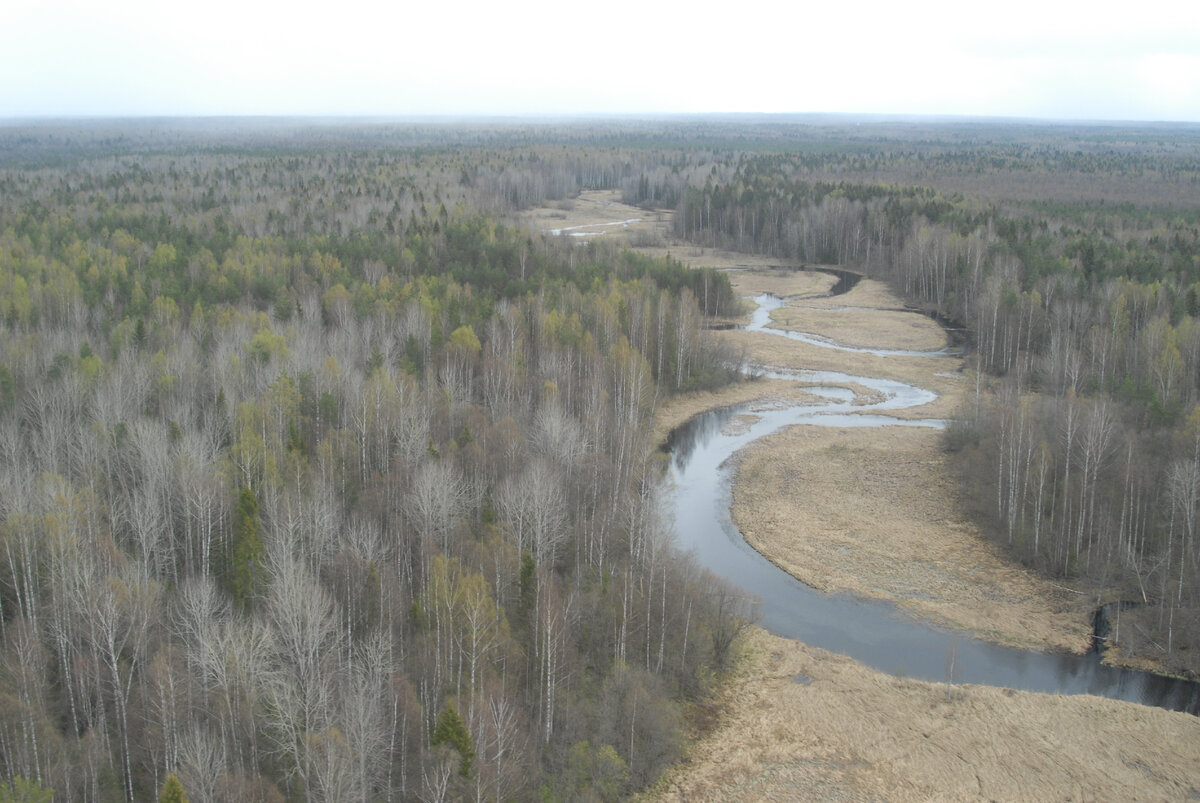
846,280
1148,688
1063,672
682,440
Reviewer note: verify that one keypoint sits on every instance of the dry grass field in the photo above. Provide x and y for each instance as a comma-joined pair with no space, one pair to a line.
797,724
600,213
874,512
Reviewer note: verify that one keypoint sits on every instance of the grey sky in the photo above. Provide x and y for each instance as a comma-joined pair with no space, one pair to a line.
1020,58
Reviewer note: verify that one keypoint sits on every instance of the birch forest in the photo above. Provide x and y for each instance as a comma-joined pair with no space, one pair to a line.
319,483
321,478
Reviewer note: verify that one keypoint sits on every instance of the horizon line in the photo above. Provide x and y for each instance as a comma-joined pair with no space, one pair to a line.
535,117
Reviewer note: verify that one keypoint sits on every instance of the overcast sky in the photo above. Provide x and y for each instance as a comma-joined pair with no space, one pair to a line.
1026,58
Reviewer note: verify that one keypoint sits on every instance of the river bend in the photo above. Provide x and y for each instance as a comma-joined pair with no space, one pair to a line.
874,633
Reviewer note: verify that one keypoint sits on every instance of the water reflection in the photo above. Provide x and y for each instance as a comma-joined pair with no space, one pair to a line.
869,631
872,632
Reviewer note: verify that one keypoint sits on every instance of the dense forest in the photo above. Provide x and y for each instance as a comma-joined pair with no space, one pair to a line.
323,479
319,483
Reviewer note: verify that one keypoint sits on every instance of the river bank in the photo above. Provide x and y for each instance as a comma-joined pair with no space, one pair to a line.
797,723
874,512
794,722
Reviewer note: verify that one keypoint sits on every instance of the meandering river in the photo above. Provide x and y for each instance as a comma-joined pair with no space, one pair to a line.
875,633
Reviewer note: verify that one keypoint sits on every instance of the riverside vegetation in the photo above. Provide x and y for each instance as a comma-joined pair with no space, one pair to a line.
1072,256
324,480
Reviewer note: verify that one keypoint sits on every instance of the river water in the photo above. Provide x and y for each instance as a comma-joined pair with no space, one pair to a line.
874,633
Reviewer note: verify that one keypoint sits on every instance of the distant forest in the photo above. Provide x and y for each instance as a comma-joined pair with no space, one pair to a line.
323,479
